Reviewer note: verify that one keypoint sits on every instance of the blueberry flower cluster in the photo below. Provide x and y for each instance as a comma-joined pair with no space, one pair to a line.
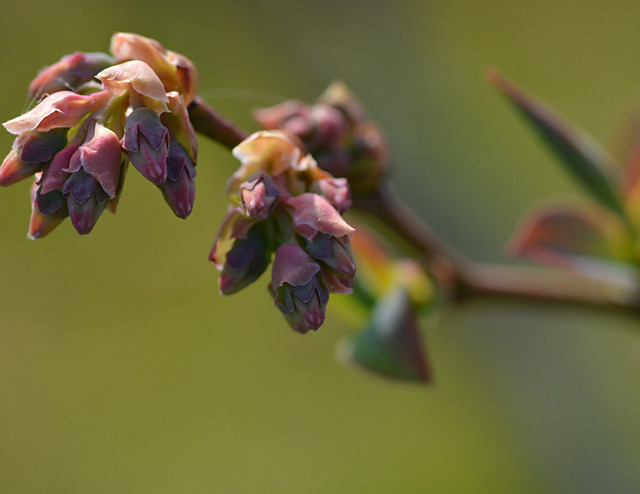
286,208
337,132
95,114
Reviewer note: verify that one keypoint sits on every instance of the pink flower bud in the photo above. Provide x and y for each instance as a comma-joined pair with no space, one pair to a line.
138,79
330,127
291,115
13,169
178,123
69,73
321,127
176,71
100,156
313,214
258,196
146,142
272,152
41,225
63,109
55,210
179,190
334,190
32,151
298,288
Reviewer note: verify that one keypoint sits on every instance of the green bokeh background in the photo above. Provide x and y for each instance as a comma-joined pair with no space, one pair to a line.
123,371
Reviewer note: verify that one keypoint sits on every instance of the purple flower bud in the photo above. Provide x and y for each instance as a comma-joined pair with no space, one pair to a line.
85,199
69,72
88,175
298,288
49,203
100,157
334,190
55,210
179,190
146,142
32,151
245,262
259,196
334,252
54,177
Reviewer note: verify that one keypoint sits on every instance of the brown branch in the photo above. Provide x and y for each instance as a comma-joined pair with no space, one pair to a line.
208,122
462,279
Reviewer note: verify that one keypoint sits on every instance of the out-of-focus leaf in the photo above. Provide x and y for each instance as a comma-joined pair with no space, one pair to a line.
375,272
409,273
392,346
631,184
590,164
585,242
626,132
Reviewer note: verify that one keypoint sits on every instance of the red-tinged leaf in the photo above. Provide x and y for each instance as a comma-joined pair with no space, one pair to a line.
632,184
587,243
374,262
589,163
392,346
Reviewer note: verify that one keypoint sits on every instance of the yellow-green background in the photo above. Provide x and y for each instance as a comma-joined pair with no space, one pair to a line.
123,371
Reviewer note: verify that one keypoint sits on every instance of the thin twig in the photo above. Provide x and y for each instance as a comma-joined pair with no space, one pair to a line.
208,122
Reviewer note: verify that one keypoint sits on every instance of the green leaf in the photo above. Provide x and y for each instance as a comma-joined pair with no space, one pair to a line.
589,163
392,345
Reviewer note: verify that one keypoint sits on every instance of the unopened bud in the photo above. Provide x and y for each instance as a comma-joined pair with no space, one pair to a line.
31,152
85,199
69,73
335,253
146,142
334,190
258,196
245,262
298,288
179,190
313,214
47,210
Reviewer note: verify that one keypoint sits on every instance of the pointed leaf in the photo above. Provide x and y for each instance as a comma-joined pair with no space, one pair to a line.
392,346
589,163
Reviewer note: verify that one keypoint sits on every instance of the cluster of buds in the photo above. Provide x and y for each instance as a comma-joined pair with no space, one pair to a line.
337,132
288,209
95,114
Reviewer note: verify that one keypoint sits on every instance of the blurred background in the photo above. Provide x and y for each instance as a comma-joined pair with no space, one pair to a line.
123,370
